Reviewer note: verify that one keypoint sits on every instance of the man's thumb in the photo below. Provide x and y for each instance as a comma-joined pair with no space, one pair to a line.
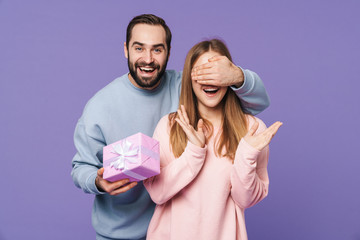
100,172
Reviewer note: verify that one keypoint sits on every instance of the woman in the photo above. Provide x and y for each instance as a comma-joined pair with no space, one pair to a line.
209,174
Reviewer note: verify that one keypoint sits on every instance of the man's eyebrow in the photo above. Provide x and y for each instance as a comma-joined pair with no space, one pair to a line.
159,45
137,43
154,46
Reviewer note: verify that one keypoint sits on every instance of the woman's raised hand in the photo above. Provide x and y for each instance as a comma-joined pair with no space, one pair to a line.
261,140
195,137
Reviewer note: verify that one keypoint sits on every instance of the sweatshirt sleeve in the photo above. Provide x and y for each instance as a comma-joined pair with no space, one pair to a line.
249,176
252,93
89,143
175,173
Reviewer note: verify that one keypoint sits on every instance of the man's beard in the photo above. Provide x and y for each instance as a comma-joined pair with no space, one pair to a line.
146,82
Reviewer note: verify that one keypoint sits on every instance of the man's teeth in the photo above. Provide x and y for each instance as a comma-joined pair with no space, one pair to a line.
146,69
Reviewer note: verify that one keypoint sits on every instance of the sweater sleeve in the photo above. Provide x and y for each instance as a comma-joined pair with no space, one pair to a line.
175,173
249,176
86,161
252,93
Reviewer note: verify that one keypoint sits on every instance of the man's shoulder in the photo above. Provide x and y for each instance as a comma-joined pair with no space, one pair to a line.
173,75
111,88
106,95
172,80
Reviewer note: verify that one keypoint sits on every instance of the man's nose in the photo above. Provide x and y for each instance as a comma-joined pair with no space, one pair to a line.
148,58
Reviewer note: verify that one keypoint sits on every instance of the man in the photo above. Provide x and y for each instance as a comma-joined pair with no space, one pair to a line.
133,103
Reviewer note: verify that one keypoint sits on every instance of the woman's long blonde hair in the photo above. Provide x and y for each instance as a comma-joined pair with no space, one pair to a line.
234,122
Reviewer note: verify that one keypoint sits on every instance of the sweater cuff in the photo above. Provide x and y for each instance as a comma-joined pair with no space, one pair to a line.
248,152
91,183
247,84
196,150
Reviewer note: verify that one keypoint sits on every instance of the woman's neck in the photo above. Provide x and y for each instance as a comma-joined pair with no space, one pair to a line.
213,115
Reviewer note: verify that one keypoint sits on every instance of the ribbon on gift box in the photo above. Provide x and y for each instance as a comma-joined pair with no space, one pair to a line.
127,153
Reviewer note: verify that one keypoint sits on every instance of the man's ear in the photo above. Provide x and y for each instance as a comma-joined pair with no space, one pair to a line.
126,52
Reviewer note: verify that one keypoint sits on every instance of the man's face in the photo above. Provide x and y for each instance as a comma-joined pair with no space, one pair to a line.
147,55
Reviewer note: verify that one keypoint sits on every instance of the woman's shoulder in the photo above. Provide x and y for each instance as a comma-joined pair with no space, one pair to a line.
166,122
168,119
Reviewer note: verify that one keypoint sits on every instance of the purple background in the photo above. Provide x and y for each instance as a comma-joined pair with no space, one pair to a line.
54,55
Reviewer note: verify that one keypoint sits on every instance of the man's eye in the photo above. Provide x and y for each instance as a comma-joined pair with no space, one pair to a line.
138,49
157,50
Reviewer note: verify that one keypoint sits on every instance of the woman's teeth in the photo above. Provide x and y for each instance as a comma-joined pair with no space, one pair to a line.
211,90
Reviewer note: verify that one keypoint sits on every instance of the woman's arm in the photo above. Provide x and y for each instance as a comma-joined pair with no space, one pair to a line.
252,93
249,177
175,174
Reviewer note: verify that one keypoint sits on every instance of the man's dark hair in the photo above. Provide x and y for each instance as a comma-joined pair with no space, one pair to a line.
151,20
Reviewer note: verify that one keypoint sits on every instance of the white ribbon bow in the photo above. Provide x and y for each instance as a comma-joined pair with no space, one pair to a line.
126,154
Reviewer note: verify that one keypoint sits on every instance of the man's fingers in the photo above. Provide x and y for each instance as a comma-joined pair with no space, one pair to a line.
123,189
114,188
201,67
206,79
209,64
200,72
215,58
120,183
110,187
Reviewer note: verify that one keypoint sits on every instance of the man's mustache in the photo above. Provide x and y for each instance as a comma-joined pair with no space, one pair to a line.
144,64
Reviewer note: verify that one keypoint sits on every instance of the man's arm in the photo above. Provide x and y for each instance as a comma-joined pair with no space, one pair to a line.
86,163
87,171
247,85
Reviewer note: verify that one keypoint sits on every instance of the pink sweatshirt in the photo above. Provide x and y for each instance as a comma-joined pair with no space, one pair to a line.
201,196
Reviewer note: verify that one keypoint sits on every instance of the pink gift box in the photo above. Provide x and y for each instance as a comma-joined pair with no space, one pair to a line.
135,157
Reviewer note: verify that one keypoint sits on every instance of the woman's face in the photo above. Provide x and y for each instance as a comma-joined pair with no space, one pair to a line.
208,97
